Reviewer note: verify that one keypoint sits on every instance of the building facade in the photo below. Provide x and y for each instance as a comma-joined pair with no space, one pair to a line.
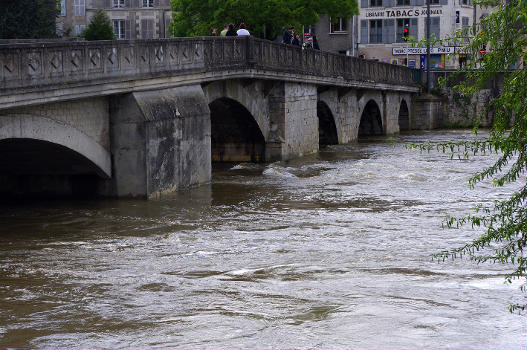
335,36
131,19
383,27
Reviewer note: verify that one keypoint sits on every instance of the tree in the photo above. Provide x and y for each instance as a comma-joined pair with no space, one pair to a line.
265,18
28,19
503,34
99,28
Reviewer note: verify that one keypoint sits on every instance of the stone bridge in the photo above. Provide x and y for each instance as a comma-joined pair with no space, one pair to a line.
143,118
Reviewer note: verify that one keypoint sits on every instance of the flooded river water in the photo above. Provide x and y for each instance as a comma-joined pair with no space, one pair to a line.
330,251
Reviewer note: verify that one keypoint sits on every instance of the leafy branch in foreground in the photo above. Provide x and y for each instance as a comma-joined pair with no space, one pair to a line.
504,33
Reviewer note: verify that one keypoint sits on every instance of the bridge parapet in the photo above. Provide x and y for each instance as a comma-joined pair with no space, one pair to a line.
47,64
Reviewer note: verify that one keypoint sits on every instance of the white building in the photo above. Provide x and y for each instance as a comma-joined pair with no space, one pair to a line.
382,26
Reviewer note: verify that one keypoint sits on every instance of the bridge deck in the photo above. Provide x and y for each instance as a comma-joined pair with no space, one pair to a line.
34,73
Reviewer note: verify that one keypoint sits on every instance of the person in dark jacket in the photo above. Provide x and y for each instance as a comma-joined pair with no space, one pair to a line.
288,35
231,31
296,40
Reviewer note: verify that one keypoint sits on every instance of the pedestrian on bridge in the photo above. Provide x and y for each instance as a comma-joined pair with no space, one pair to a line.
243,30
231,31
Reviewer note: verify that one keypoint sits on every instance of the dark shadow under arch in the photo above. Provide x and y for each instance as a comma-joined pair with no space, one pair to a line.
37,168
371,120
404,117
235,135
327,130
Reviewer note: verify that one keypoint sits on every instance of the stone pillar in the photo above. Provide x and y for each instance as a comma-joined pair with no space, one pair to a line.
343,105
427,113
160,141
391,113
294,121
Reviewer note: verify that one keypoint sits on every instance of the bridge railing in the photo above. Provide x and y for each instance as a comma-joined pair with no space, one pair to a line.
42,64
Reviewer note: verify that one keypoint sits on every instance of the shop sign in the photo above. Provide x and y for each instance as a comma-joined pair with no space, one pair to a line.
443,50
401,13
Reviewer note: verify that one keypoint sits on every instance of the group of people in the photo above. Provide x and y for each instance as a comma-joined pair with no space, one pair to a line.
289,37
228,30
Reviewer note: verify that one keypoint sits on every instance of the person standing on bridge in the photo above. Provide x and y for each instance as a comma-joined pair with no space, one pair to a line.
225,30
243,30
231,31
287,38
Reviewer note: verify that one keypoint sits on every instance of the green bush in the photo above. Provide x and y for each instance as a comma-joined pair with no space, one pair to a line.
100,28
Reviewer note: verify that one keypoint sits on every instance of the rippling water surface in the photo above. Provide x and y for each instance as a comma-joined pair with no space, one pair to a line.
330,251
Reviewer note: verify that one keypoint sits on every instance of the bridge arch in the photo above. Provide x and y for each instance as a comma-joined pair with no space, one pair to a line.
41,133
235,134
251,95
404,115
371,120
327,128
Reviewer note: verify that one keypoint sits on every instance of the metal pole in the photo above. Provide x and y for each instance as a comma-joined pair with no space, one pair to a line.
428,81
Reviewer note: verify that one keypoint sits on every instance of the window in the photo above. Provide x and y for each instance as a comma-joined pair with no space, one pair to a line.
118,28
463,2
63,8
80,8
339,26
434,2
376,31
148,3
403,29
403,2
147,29
118,3
79,28
375,3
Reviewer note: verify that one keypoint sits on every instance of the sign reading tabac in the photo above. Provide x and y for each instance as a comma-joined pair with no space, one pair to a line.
402,13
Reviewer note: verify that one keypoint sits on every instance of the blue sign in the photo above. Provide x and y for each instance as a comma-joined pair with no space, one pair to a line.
457,16
423,57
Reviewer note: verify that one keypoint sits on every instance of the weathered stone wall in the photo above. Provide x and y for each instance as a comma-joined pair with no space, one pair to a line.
90,116
301,121
427,113
160,141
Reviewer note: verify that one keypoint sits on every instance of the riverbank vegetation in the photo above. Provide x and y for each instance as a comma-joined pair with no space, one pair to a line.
498,47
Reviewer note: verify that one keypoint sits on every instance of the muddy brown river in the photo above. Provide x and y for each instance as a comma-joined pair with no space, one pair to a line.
330,251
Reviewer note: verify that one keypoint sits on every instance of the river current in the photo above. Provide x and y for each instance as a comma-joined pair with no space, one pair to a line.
329,251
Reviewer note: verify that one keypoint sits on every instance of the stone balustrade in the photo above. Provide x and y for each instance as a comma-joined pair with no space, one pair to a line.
45,65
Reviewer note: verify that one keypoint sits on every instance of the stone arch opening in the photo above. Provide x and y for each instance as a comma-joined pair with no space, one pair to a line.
37,168
235,134
45,157
404,116
371,120
327,129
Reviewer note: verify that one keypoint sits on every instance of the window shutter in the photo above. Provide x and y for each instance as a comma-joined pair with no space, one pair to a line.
419,2
107,4
127,33
434,26
388,31
443,2
413,30
364,31
387,3
156,3
363,3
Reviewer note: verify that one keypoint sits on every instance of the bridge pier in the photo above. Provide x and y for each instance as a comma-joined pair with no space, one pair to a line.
293,121
160,141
